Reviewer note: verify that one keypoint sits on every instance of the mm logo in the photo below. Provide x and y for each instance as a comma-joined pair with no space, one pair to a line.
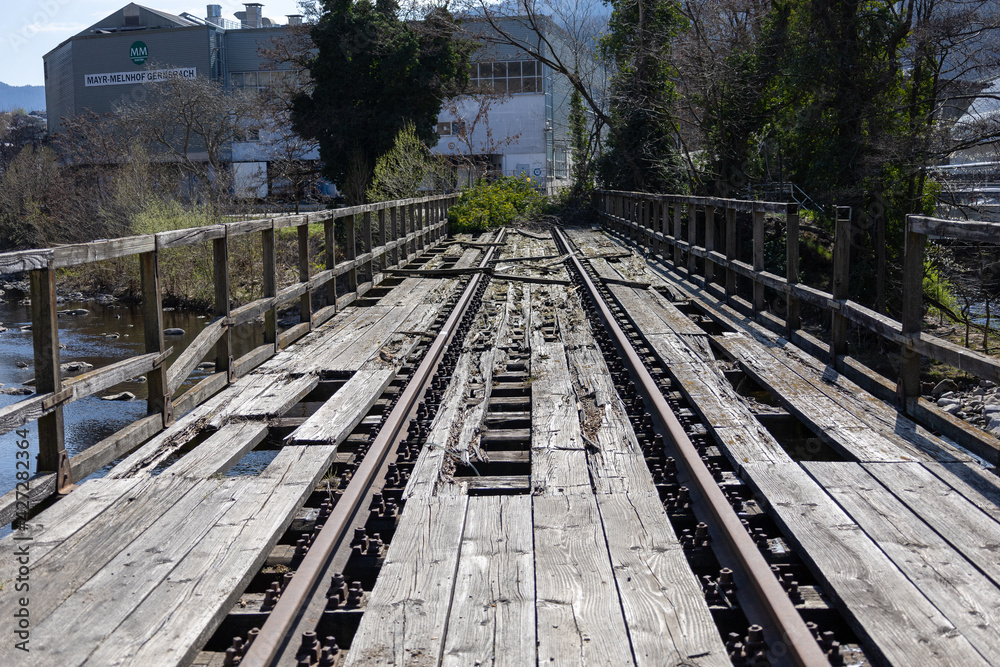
138,52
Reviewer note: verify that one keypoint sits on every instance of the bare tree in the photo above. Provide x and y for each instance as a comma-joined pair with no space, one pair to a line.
194,124
473,131
563,36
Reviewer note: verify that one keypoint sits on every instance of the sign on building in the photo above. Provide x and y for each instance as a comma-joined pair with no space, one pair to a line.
138,52
148,76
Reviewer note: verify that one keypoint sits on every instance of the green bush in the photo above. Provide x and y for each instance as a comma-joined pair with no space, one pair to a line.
494,204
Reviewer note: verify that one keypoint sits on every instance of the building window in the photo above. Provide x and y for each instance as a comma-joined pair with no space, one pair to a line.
261,80
509,76
448,128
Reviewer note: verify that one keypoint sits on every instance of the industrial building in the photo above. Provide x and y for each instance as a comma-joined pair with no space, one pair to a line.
524,129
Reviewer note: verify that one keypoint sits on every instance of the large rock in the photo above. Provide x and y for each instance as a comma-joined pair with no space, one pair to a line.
944,386
124,396
75,367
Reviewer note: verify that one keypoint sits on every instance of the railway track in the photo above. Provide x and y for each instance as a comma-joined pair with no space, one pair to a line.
465,399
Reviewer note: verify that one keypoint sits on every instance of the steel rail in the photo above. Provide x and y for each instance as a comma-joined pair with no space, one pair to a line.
801,646
272,636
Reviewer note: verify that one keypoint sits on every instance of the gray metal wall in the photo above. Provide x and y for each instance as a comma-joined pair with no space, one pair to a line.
59,98
65,87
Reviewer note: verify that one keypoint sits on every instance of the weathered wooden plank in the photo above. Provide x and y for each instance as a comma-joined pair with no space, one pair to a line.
979,487
213,573
615,459
407,612
177,238
427,471
78,626
985,232
60,522
24,260
492,619
167,442
877,414
380,340
579,611
972,532
824,416
335,420
967,598
17,414
87,552
408,334
882,606
115,446
558,456
220,451
335,340
277,396
665,610
96,251
289,336
193,354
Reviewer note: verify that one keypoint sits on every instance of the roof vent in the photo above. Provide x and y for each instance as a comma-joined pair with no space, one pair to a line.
254,15
214,12
131,14
294,19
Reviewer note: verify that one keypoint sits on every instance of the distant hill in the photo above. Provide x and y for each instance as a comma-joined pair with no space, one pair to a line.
29,98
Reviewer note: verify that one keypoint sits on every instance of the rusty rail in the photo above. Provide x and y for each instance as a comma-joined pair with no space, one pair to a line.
274,634
799,642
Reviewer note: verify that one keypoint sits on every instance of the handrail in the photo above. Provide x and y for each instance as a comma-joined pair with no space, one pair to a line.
671,225
401,228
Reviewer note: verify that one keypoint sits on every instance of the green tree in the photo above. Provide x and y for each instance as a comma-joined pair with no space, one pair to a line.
642,152
400,171
373,74
579,141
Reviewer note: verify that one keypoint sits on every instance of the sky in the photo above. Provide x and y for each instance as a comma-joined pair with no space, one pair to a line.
31,28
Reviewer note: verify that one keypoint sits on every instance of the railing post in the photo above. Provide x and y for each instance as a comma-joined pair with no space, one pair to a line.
840,287
52,455
330,251
158,400
677,235
692,239
758,261
393,256
664,228
305,301
647,223
908,386
270,286
220,270
792,306
709,243
418,224
366,239
404,248
351,251
730,252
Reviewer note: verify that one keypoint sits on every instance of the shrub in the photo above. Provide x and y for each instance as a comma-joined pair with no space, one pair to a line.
494,204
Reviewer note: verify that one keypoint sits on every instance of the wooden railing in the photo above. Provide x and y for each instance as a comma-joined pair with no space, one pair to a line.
401,228
686,231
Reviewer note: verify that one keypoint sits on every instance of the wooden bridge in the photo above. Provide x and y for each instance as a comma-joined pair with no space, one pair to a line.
593,445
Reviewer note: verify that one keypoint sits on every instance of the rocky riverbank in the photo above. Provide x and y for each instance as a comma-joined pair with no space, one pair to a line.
978,405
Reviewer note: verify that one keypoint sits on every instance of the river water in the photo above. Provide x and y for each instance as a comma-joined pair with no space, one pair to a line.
89,338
